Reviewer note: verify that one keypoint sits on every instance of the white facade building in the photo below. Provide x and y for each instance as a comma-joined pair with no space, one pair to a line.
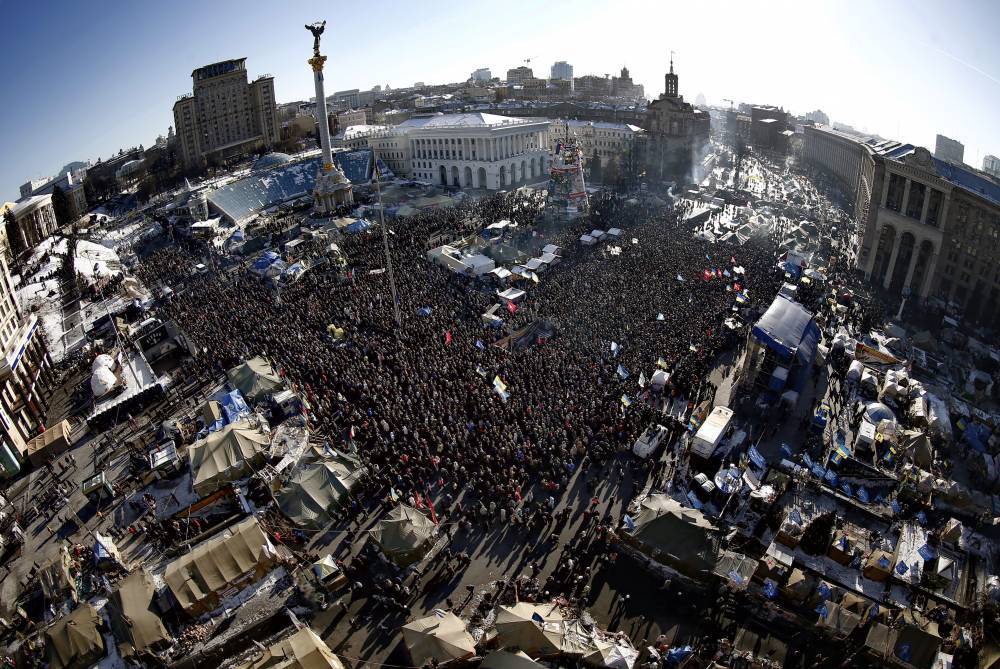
609,141
473,150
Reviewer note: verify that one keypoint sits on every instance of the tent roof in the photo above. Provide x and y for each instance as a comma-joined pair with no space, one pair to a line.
437,637
55,578
74,639
254,378
313,489
219,562
680,532
132,621
405,529
226,455
517,629
302,650
504,659
789,330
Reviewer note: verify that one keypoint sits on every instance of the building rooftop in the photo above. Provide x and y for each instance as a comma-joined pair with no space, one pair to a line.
471,120
968,180
29,203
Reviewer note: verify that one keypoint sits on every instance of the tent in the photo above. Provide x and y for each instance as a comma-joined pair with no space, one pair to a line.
619,654
314,489
255,379
357,226
240,555
787,329
440,637
55,578
918,445
504,659
232,453
536,629
302,650
105,552
838,620
679,534
404,535
49,445
74,641
134,624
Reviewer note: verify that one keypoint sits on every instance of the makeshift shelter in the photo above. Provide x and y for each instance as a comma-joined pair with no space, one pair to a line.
838,620
106,554
49,445
440,637
231,453
673,534
255,379
404,535
536,629
238,556
504,659
55,579
74,641
314,490
918,446
302,650
878,566
618,653
136,626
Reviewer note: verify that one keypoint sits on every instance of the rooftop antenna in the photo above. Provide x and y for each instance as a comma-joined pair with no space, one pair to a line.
385,243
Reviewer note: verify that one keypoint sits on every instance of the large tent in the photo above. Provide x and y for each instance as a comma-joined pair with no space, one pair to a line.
137,628
74,641
536,629
255,379
505,659
789,331
230,560
440,637
314,489
404,535
55,579
302,650
227,455
679,535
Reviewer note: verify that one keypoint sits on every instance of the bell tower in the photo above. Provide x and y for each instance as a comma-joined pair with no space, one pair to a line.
671,79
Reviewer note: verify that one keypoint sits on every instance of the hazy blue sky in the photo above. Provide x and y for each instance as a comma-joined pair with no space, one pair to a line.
85,78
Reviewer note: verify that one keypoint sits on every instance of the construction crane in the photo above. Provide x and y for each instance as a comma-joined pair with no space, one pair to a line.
527,61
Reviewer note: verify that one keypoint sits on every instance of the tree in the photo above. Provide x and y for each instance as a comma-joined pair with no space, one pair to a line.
611,173
61,207
13,234
594,166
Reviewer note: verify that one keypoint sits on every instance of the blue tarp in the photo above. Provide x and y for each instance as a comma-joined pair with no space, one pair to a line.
359,225
789,331
977,436
262,264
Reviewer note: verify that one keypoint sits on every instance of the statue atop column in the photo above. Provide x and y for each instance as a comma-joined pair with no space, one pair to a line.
316,29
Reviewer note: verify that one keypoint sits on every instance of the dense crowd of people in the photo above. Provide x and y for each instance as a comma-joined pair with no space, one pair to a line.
419,400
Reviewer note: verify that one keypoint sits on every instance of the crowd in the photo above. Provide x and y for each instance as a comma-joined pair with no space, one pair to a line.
418,400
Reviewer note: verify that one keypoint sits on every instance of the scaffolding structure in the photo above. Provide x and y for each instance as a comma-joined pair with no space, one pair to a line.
568,189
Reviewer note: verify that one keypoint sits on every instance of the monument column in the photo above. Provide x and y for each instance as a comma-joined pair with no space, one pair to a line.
332,189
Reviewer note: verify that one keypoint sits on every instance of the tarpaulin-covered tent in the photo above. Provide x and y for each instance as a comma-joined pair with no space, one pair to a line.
838,620
315,489
74,641
302,650
255,379
504,659
788,330
231,453
440,637
50,444
404,535
105,552
537,629
55,578
264,262
230,560
918,446
618,653
137,628
680,535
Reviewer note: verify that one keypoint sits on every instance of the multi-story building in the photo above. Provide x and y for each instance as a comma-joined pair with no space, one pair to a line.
342,100
71,184
517,75
473,150
622,86
767,125
677,134
991,165
561,70
35,219
355,137
592,85
130,172
26,374
851,163
225,116
946,148
351,117
937,227
607,141
482,75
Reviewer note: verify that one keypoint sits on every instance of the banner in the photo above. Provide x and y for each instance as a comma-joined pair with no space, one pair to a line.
872,356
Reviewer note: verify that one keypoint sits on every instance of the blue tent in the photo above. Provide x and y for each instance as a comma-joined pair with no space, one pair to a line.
359,225
233,405
789,331
262,264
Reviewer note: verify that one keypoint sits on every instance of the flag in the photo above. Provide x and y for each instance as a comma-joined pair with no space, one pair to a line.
622,372
863,495
846,487
901,568
614,348
447,336
770,589
499,384
660,317
537,617
737,286
430,506
708,257
831,476
726,273
418,501
706,274
680,278
661,363
393,495
904,652
642,379
787,451
626,402
741,298
629,523
922,518
756,457
480,371
822,611
480,345
926,552
824,591
511,307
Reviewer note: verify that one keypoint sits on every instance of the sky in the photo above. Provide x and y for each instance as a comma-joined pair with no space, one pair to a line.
83,79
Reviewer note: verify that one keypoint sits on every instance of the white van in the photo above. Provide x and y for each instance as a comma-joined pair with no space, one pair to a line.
649,441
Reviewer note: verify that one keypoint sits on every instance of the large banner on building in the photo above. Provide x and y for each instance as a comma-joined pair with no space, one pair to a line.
872,356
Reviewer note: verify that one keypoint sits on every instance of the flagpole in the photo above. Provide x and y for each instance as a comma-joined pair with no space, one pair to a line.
385,243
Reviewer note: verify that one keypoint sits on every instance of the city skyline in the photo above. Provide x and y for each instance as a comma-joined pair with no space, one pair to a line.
119,82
